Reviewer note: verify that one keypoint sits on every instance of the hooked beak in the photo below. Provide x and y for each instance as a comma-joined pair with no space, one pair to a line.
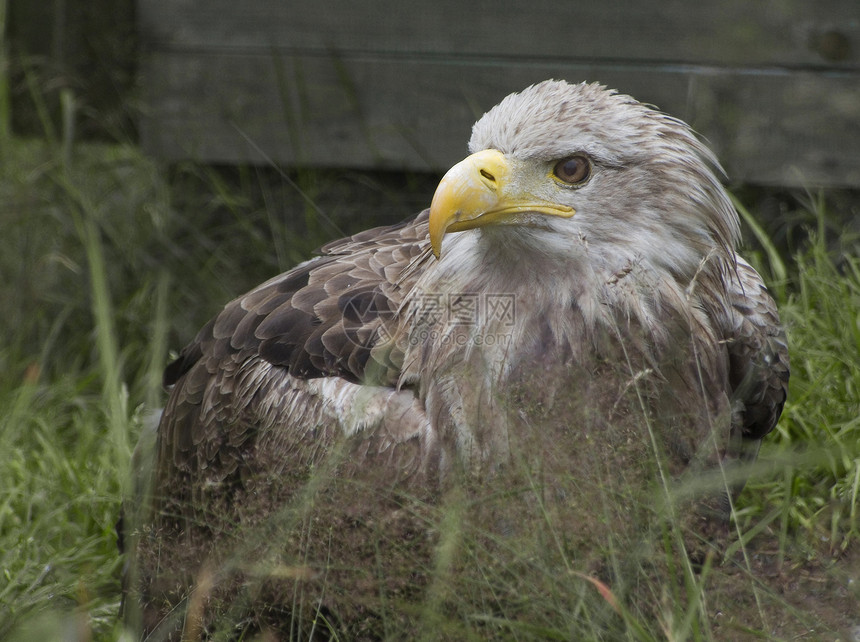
483,190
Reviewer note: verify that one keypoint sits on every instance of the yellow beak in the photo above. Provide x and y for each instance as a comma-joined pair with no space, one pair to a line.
483,189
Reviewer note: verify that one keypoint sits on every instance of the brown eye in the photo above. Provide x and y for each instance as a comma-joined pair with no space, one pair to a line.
573,170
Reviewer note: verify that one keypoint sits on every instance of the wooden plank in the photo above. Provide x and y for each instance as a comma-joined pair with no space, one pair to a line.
785,33
393,84
768,126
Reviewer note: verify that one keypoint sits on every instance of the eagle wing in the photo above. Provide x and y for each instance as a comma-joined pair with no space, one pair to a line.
295,349
758,356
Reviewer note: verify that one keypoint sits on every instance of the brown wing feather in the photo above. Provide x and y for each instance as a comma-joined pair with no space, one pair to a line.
324,318
350,289
758,354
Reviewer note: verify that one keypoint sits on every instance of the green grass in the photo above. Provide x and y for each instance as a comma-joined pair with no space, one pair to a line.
109,262
818,438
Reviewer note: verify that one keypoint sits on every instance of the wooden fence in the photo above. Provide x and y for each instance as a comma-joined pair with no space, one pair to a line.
774,86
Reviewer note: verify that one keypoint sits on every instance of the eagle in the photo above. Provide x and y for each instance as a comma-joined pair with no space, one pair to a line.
572,293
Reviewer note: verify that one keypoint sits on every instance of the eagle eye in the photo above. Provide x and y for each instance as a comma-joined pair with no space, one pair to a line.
573,170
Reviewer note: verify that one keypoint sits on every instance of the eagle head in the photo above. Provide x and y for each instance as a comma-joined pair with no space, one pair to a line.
573,171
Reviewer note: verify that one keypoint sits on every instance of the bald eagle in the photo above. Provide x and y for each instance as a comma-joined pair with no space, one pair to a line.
572,291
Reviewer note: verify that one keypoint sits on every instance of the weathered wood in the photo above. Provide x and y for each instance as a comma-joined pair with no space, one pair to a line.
775,87
722,32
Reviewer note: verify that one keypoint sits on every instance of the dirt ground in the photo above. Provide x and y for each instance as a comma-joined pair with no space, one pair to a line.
801,597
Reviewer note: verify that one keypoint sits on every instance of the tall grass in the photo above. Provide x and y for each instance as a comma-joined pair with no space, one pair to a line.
68,420
109,262
818,439
816,447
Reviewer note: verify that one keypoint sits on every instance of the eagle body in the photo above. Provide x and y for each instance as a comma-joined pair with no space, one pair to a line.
571,300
